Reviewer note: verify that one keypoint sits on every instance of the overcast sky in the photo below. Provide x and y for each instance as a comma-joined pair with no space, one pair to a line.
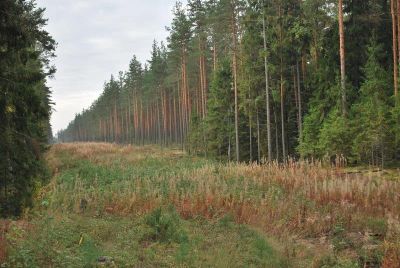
97,38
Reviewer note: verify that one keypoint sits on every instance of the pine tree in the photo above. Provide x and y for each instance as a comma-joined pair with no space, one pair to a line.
292,89
25,105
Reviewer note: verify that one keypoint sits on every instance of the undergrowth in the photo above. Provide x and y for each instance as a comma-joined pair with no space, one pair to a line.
154,201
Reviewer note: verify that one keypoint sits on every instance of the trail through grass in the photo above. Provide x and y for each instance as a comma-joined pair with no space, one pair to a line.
98,206
152,207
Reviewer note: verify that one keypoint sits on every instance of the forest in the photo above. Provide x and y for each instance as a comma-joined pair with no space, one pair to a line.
262,81
261,133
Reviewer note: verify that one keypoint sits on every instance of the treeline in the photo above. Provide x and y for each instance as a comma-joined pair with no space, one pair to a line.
25,105
252,80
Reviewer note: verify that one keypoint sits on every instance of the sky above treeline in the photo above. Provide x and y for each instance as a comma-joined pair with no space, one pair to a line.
97,38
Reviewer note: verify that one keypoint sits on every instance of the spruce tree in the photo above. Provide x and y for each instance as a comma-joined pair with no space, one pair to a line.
373,141
25,105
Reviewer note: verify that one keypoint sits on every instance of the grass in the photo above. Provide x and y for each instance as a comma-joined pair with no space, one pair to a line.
152,207
78,241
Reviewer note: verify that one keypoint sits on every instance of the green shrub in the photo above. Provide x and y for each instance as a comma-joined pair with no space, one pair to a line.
165,226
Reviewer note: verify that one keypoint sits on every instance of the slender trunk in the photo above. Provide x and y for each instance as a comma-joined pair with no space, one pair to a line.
175,122
135,116
303,66
250,133
185,92
205,83
158,111
129,121
295,91
141,122
342,60
188,99
148,125
127,130
115,123
229,136
202,107
100,136
269,144
181,115
258,138
214,56
276,135
235,86
282,90
395,48
183,96
316,54
300,110
283,119
398,29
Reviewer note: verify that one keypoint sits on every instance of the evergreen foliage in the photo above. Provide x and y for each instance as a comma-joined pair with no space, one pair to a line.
25,105
293,99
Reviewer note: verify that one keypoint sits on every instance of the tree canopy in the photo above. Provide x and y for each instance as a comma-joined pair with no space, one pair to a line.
254,80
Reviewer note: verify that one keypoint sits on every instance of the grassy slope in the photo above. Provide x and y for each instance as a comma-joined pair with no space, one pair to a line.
104,200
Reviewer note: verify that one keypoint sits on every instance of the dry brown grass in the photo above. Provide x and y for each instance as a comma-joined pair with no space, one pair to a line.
4,225
297,198
106,153
343,195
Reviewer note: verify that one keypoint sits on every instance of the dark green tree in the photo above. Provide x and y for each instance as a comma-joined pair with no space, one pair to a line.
25,105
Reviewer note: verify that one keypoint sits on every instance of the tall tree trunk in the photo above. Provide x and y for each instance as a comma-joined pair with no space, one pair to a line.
283,117
398,28
175,122
214,56
276,134
258,138
342,60
282,89
202,87
300,108
157,119
129,120
269,143
205,82
181,117
250,130
235,86
395,48
251,139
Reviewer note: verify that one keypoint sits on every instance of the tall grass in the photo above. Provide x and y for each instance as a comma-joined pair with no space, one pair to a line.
123,179
3,245
302,198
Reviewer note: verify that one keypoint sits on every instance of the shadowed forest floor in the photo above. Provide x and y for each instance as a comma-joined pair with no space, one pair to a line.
115,206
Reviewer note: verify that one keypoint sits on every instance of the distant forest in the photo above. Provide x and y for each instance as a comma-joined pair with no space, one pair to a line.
262,80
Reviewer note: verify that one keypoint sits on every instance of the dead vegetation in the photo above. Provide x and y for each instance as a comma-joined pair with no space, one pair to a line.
351,214
4,225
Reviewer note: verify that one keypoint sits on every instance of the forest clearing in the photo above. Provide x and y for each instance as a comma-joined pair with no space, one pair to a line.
127,206
200,133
